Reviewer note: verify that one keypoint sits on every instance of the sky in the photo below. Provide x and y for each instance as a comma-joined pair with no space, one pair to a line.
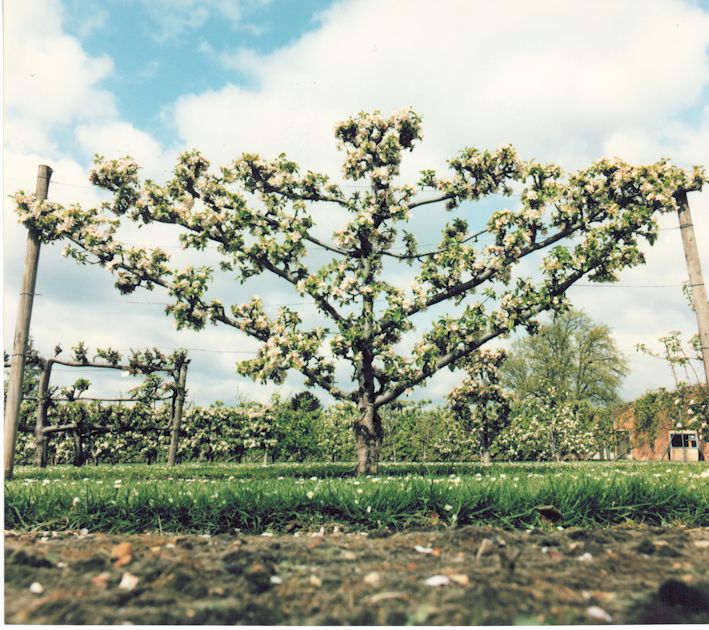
566,82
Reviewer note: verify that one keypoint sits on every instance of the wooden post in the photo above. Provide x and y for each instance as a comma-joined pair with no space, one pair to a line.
696,281
22,330
177,415
42,438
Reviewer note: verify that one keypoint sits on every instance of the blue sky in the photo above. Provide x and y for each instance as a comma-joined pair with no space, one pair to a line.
563,82
162,50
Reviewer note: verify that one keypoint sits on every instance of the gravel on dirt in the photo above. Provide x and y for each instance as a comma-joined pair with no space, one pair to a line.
465,576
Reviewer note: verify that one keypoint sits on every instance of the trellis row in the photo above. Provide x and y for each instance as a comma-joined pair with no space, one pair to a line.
176,368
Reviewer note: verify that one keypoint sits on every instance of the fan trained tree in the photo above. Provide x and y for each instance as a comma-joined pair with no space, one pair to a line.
258,212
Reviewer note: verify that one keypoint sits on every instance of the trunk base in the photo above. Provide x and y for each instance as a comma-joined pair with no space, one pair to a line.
368,432
368,458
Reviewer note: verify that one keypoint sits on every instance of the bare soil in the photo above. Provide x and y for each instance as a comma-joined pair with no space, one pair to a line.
617,575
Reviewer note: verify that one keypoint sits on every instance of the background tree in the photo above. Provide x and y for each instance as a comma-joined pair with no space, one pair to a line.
413,429
334,434
480,404
305,401
679,355
545,427
257,212
574,355
295,427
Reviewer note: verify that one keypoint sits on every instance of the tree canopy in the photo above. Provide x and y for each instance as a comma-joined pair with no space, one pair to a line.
572,354
259,213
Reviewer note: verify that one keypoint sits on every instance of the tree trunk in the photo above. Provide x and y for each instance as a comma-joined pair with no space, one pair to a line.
41,438
368,433
485,446
78,449
180,394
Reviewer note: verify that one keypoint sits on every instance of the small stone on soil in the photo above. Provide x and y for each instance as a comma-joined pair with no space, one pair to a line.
314,580
122,554
486,548
371,579
100,581
598,614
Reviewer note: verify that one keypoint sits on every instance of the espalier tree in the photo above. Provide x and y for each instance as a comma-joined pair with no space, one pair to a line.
479,403
257,211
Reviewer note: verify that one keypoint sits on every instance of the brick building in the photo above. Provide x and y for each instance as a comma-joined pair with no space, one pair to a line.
668,444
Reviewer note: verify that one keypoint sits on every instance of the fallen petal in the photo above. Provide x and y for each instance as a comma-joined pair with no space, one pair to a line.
421,549
382,597
437,580
598,614
128,582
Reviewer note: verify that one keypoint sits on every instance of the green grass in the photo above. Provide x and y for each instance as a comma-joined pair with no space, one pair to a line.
221,498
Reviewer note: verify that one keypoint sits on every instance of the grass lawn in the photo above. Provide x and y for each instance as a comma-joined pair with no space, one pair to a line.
223,498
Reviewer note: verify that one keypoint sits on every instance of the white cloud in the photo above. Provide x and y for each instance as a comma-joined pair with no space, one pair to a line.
171,19
553,78
565,82
243,60
91,21
51,80
119,138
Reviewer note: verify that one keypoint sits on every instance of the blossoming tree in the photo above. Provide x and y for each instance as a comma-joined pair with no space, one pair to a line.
258,212
479,403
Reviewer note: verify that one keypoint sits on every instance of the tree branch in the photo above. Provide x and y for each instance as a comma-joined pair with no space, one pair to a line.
454,355
434,252
425,202
488,275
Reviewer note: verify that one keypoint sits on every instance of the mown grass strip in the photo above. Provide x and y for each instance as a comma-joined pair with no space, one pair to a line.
224,498
217,470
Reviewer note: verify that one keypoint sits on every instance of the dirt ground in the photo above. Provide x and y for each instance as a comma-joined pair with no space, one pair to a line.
466,576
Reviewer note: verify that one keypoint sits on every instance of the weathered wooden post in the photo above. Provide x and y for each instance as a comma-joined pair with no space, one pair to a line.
180,395
22,330
42,438
696,280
